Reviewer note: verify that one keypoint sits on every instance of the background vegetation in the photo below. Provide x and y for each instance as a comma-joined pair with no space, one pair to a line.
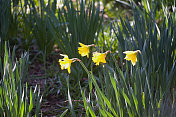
33,34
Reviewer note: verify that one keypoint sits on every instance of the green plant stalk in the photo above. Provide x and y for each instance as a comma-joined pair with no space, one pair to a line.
69,98
98,89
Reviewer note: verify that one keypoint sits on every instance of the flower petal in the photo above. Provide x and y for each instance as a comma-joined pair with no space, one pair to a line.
132,56
83,50
65,63
98,58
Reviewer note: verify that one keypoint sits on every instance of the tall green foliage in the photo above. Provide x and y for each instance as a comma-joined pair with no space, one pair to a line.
158,45
25,22
140,90
76,23
73,23
15,100
125,95
5,8
42,27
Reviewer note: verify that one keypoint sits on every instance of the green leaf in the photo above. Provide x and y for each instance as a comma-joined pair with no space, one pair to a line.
64,113
22,110
143,99
31,101
126,98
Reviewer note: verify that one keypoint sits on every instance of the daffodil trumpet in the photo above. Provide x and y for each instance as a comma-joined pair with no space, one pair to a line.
99,57
84,49
65,63
132,56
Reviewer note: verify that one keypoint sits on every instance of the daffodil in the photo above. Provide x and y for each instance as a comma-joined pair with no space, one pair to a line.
65,63
84,49
132,56
99,57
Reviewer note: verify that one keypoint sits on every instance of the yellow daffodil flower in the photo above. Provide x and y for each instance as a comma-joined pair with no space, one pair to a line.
84,49
65,63
132,56
99,57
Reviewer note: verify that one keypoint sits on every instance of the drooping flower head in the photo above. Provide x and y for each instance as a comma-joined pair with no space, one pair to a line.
65,63
99,57
132,56
84,49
